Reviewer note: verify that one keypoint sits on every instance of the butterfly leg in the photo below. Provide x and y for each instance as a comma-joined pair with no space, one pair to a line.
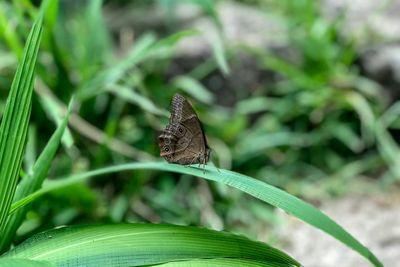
194,158
204,165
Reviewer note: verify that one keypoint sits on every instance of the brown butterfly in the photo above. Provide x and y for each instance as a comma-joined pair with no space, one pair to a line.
183,139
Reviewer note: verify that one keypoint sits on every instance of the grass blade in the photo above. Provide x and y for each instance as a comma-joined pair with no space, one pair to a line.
55,112
14,125
141,244
135,98
145,48
256,188
10,37
31,183
194,88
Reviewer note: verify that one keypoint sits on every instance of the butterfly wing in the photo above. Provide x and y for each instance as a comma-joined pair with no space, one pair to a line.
167,142
183,141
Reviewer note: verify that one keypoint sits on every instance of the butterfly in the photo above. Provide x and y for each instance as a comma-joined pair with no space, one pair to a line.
183,140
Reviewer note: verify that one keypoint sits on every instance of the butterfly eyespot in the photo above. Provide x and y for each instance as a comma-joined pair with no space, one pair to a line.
183,139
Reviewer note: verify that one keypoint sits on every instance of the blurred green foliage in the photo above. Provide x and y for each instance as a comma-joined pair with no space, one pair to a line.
312,124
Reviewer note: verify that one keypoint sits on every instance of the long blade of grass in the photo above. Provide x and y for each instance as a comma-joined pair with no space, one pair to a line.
391,115
55,112
9,36
142,245
256,188
14,125
193,88
216,41
111,75
364,111
145,48
135,98
31,183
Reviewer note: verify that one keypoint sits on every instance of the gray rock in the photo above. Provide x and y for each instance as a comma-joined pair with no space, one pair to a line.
373,221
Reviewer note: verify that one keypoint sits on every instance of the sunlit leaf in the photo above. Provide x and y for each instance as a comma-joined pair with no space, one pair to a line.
24,263
142,244
256,188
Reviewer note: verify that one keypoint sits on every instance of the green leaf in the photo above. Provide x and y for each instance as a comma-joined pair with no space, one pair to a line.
133,97
23,262
111,75
388,148
391,115
194,88
9,36
31,183
164,45
141,244
14,125
364,111
221,263
256,188
252,144
145,48
51,14
219,52
255,104
55,112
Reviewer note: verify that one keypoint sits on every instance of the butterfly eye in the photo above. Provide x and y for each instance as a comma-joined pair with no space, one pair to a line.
166,149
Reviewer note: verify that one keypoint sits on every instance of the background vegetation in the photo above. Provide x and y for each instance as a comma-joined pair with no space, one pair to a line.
303,118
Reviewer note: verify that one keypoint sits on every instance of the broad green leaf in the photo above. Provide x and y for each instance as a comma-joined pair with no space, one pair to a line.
256,188
14,124
221,263
31,183
24,263
141,244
